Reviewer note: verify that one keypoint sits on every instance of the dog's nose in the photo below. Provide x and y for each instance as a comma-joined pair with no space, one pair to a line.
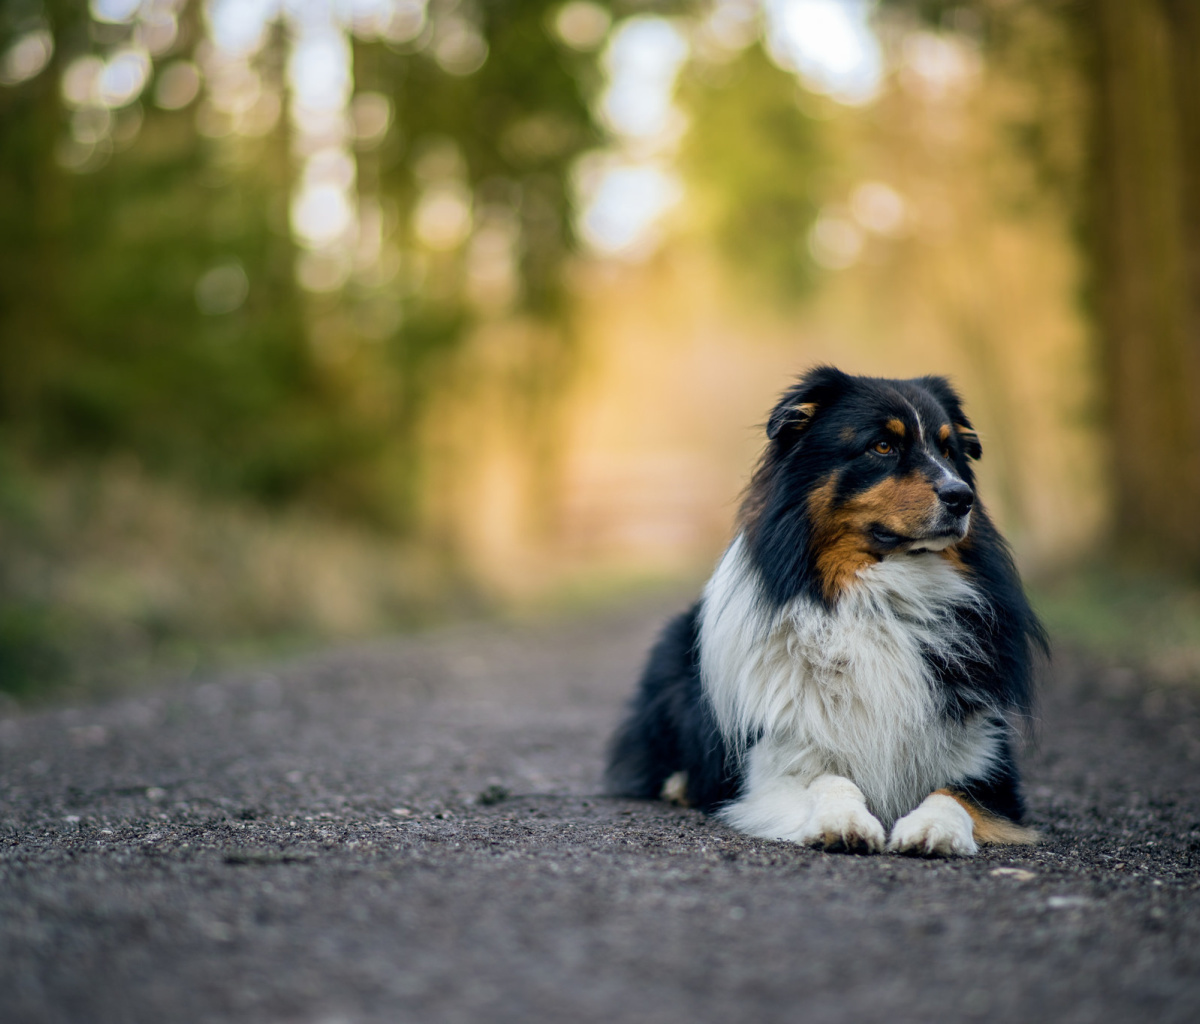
956,496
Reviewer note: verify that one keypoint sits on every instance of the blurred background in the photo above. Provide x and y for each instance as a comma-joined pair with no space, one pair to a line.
324,318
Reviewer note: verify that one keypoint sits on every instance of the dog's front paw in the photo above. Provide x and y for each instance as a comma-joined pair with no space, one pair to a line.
840,821
940,827
850,830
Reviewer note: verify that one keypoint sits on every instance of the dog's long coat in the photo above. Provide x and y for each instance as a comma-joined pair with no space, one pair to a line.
852,665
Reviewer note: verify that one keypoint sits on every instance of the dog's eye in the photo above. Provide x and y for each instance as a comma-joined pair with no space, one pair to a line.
947,454
882,448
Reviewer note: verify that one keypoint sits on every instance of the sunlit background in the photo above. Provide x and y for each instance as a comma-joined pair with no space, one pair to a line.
320,318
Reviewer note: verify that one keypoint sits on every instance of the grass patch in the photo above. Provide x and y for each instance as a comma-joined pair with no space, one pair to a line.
1139,619
108,577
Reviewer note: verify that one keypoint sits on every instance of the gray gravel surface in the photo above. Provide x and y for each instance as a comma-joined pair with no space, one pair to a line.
411,831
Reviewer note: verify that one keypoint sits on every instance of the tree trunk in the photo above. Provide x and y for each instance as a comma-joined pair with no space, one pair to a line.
1146,234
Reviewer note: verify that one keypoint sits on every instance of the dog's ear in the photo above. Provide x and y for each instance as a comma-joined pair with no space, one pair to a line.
969,440
944,392
793,417
797,407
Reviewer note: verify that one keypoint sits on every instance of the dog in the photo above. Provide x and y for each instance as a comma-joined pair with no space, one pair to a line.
850,677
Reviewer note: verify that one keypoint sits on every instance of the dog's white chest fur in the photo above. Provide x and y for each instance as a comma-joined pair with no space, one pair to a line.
844,692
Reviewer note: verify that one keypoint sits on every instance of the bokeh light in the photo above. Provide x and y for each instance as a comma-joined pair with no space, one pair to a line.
623,192
829,43
879,208
178,85
582,25
729,26
643,59
90,125
939,65
319,70
157,31
123,77
27,57
408,20
115,12
835,241
223,289
321,214
459,46
623,205
238,27
442,218
372,114
80,81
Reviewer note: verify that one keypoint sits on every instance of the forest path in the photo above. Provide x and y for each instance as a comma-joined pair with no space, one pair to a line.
330,841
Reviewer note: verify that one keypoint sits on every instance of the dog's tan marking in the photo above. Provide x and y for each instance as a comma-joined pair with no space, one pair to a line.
991,828
841,550
944,433
838,563
955,558
904,505
896,427
954,554
674,790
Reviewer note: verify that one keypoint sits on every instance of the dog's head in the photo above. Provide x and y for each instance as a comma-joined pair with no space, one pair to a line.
857,469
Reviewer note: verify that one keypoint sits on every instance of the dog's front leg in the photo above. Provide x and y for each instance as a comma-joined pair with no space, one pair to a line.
939,827
839,820
829,812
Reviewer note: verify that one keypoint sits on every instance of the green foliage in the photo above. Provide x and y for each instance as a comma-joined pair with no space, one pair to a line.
1127,615
518,123
33,648
32,641
755,161
109,576
103,349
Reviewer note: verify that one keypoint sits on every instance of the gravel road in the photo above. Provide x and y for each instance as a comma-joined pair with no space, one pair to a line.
410,831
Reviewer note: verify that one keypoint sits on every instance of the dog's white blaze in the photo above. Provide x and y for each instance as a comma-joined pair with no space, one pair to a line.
846,691
917,417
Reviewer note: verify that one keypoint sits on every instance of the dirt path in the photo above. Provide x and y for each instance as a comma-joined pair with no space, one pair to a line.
330,842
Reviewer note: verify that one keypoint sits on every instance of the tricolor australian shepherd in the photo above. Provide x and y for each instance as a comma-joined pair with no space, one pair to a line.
847,678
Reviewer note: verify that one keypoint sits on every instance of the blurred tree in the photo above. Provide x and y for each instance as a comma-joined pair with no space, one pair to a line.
1136,197
149,296
1145,223
755,163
